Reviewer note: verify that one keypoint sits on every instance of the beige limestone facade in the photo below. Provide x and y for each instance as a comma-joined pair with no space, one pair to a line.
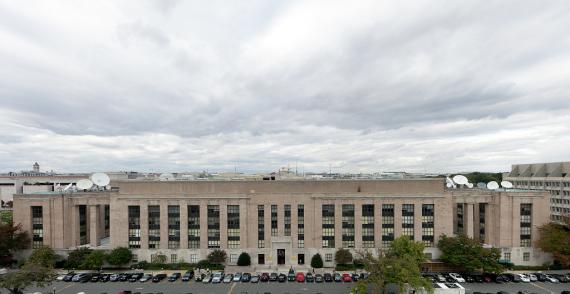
282,223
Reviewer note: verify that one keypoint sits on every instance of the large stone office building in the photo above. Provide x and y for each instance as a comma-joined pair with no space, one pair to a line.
552,177
282,223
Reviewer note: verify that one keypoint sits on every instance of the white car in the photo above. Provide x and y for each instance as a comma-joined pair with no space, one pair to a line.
207,279
458,278
551,279
217,277
522,278
532,277
228,278
237,277
60,277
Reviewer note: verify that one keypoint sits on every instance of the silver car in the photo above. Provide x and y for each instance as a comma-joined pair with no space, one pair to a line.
217,277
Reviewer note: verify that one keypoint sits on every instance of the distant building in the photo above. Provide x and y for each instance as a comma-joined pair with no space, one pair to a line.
553,177
36,167
282,223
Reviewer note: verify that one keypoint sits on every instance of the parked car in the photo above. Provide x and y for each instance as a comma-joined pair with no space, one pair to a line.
104,278
300,277
187,276
159,277
217,277
532,277
522,278
124,277
255,278
68,277
86,278
237,277
199,277
207,279
228,278
440,278
337,277
264,277
282,278
246,277
457,277
309,278
319,278
135,277
145,278
551,279
347,278
355,277
273,277
540,277
174,276
291,276
561,278
328,277
114,277
95,277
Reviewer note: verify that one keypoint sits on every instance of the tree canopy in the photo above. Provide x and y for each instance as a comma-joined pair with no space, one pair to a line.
13,239
465,252
93,260
76,257
120,256
217,256
44,256
555,239
343,256
37,270
317,261
244,259
399,265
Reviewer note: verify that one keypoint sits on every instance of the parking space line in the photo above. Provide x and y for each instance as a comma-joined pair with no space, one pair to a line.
231,288
58,291
545,289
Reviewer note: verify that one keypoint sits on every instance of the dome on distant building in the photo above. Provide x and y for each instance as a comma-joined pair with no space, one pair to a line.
36,167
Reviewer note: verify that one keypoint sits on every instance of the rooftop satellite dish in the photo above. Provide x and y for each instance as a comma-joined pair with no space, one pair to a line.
481,185
469,185
492,185
67,187
84,184
166,177
460,180
449,183
100,179
506,184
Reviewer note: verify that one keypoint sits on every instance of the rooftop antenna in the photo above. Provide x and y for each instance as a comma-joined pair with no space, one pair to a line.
460,180
506,184
449,183
481,185
166,177
84,184
492,185
100,179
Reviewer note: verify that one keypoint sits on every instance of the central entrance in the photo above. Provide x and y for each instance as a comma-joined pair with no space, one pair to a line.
280,256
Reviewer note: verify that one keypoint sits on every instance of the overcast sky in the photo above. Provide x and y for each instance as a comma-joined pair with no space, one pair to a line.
361,86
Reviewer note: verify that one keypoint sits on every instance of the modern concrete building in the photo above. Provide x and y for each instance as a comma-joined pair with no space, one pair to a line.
282,223
553,177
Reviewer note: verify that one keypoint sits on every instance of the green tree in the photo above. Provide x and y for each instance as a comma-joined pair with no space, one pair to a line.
476,177
400,265
343,256
6,217
244,259
317,261
44,256
12,239
94,260
555,239
30,274
76,257
469,254
120,256
217,256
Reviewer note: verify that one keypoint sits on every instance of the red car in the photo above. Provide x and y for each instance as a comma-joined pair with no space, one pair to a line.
300,277
346,278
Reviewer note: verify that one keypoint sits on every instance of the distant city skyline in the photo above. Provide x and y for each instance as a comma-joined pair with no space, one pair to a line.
365,86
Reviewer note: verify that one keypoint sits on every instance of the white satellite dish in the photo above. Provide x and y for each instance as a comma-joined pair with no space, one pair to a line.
469,185
84,184
166,177
506,184
449,183
100,179
460,180
481,185
492,185
67,187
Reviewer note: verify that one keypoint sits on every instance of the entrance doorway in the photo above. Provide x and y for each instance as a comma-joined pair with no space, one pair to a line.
301,259
280,256
261,259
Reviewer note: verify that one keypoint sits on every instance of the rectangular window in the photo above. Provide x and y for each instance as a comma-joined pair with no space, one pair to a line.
526,256
233,258
173,258
482,208
260,226
233,226
328,226
153,226
213,226
37,227
261,259
328,257
300,226
134,215
387,224
83,225
193,258
525,224
459,217
107,220
273,220
348,225
287,220
408,220
368,226
173,226
428,225
193,226
507,256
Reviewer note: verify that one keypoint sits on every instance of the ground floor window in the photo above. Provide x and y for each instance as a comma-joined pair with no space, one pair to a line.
173,258
526,256
507,256
135,258
261,259
301,258
233,258
328,257
193,258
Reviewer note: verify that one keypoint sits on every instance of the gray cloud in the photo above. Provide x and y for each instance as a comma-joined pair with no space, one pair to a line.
364,87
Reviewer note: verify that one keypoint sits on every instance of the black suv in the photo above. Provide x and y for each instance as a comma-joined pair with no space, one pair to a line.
173,277
158,278
188,276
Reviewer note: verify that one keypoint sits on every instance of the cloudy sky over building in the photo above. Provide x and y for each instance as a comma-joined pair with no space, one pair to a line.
358,85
